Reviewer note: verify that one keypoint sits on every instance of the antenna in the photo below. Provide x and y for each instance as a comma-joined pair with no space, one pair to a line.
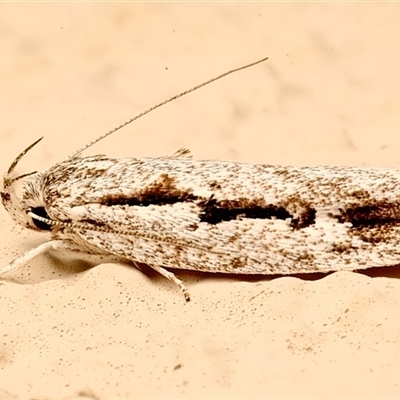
78,152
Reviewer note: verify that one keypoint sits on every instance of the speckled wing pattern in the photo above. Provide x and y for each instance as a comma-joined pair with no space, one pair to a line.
228,217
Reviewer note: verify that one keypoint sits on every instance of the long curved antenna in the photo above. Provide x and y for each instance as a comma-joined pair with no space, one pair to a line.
76,153
8,180
18,159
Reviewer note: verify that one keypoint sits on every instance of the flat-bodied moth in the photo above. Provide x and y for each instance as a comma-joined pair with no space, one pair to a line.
173,212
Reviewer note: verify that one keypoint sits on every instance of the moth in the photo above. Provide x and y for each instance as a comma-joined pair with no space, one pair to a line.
173,212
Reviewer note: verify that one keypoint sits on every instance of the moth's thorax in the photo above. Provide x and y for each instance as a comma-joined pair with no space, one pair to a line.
20,202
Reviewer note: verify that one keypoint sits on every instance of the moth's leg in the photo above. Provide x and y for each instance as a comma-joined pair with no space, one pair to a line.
28,256
170,276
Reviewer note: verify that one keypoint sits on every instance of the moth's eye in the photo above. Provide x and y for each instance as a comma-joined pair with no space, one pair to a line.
41,212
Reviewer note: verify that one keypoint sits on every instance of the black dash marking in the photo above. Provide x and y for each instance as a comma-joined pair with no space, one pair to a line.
373,214
161,192
214,211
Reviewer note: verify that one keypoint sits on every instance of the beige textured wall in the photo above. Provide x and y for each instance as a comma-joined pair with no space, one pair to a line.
329,94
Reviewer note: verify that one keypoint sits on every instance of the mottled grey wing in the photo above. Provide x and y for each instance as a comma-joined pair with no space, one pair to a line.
232,217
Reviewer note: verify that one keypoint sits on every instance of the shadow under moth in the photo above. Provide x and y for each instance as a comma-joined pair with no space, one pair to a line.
173,212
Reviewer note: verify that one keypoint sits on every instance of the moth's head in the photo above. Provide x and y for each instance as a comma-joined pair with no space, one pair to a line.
29,201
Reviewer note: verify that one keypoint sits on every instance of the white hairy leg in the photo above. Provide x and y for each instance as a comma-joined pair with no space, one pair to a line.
172,277
28,256
68,245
